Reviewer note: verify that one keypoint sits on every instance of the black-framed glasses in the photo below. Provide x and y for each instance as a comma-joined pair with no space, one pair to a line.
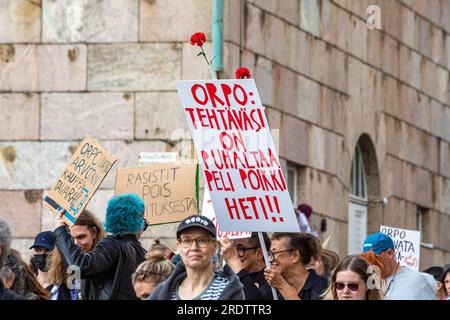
273,255
241,250
146,224
352,286
201,242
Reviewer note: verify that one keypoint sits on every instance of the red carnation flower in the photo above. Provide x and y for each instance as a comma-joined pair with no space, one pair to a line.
198,38
242,73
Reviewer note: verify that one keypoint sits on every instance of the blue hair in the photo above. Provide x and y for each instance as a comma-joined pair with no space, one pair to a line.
124,214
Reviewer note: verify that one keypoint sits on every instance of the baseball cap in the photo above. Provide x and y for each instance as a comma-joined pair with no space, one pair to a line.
378,242
45,239
198,222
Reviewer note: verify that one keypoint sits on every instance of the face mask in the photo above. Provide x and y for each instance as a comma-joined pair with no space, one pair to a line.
40,261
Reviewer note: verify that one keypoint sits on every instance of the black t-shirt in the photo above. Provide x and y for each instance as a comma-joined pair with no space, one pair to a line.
255,285
313,288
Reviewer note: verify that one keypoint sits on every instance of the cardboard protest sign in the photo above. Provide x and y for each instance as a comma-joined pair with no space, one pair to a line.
81,178
407,245
168,190
208,211
238,157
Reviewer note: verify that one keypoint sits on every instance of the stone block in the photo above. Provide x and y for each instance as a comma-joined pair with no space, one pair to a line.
389,59
310,16
298,55
264,80
447,51
308,103
84,21
18,68
42,68
255,27
313,184
437,50
410,28
295,140
285,89
151,117
374,47
71,116
194,67
358,37
22,212
62,67
391,17
32,165
137,67
288,10
231,21
444,163
275,44
20,117
21,21
231,60
158,17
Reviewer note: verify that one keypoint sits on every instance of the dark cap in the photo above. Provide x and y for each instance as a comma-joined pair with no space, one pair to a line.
305,208
45,239
198,222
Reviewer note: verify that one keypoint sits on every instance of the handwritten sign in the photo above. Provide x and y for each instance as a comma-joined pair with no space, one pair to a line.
238,157
168,190
81,178
406,244
208,211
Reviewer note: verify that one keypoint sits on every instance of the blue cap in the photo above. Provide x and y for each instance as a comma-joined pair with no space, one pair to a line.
45,240
378,242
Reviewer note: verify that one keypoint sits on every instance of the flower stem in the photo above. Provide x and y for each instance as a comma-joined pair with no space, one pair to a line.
204,55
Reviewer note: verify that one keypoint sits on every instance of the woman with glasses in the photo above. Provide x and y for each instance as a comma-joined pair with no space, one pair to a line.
246,258
350,281
194,277
289,255
150,273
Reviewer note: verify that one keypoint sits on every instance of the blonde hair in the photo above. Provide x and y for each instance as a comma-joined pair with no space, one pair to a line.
157,268
57,272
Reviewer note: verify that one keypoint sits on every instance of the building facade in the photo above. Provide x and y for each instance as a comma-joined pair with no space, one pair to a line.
361,115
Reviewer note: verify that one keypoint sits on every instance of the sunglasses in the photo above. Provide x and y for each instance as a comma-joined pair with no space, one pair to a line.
352,286
146,225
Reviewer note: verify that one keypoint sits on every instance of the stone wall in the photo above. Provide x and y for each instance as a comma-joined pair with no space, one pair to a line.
108,69
105,68
326,80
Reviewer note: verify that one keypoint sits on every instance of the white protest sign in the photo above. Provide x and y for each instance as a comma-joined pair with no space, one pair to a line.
406,244
146,158
208,211
239,160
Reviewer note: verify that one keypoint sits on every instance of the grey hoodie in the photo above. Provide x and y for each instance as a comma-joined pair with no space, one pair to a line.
234,290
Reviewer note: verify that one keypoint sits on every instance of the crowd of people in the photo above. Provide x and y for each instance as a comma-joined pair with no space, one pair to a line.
94,261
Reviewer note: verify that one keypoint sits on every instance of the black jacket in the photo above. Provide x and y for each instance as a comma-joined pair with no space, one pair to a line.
110,264
6,294
255,285
233,291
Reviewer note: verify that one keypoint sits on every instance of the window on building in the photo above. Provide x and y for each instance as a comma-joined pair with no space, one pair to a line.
358,176
423,217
